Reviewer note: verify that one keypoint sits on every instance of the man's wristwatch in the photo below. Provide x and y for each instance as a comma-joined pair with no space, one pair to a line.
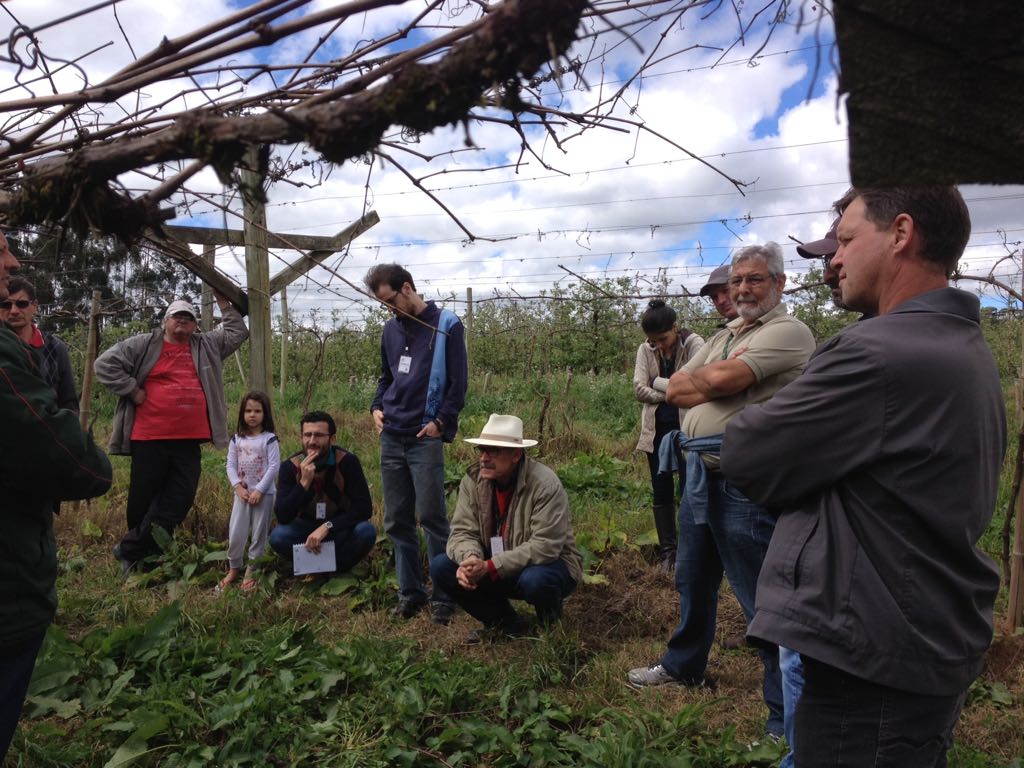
328,525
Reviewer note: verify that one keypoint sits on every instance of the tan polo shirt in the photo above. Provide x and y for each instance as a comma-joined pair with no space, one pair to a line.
776,348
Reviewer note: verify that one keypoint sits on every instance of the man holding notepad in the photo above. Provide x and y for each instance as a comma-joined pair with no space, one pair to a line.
322,498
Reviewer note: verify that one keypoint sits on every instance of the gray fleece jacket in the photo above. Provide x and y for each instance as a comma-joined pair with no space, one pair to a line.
124,367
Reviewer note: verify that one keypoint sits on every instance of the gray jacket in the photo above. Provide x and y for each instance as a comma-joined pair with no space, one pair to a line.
885,458
124,367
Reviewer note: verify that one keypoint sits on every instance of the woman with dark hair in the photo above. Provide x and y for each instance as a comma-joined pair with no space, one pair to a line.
666,351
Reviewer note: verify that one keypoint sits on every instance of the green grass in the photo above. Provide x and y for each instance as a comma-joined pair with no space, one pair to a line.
160,671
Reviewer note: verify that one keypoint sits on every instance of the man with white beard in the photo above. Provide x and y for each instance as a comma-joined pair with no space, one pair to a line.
720,530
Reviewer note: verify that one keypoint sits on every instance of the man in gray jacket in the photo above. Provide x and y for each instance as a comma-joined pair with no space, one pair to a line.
171,401
511,535
884,457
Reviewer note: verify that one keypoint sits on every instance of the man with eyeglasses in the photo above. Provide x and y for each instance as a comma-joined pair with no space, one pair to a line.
511,536
322,495
170,392
720,530
19,311
421,391
46,458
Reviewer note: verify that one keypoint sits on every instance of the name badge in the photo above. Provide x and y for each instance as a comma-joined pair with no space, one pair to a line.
497,545
404,364
321,510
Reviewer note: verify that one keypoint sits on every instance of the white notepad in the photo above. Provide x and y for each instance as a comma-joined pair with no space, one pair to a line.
312,562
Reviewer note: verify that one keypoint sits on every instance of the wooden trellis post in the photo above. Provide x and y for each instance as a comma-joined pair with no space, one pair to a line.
257,269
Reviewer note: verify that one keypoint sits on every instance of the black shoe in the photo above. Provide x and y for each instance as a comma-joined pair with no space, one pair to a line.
127,566
406,608
514,627
442,613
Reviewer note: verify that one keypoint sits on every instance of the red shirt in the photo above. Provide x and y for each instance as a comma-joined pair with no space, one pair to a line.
175,406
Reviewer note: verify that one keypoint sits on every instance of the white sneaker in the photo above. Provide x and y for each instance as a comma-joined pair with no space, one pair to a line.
648,676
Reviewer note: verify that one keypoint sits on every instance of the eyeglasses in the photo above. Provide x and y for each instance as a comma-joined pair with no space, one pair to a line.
390,300
19,303
826,261
752,280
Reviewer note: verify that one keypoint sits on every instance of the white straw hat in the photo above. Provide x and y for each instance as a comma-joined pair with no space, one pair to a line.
502,432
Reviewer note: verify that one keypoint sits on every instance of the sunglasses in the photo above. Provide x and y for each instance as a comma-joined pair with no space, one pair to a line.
19,303
491,450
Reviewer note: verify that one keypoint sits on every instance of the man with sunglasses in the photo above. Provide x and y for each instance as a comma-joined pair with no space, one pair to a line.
421,391
19,311
720,530
511,535
171,400
46,458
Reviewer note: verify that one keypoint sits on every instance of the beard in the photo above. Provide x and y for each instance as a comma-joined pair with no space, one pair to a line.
751,311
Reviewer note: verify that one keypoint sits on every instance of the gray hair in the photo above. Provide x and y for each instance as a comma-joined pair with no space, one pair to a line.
770,252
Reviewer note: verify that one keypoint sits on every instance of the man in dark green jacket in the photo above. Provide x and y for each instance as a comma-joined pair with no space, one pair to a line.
44,457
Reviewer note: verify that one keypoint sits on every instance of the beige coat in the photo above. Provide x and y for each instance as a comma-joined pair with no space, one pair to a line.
649,386
539,529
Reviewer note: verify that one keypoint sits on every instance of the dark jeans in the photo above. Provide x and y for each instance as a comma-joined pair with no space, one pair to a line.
542,586
663,486
349,546
412,479
734,542
842,720
165,476
16,665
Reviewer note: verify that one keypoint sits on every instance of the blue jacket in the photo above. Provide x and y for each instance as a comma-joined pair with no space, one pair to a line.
435,384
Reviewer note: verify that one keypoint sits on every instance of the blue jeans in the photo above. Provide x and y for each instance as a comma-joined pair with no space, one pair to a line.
734,542
349,546
542,586
792,686
412,478
846,721
16,666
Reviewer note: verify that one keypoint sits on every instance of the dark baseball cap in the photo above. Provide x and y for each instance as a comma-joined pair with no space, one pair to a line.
828,245
719,277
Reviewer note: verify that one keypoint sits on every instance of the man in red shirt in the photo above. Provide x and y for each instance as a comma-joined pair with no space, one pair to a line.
171,401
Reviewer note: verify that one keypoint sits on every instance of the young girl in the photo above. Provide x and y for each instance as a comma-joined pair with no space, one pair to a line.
254,456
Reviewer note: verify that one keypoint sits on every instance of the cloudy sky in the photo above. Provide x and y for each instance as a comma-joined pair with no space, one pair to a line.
604,204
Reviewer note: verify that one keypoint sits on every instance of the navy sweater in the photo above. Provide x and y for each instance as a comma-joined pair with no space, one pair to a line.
403,397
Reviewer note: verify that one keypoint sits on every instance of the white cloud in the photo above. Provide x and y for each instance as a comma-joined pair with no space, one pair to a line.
627,204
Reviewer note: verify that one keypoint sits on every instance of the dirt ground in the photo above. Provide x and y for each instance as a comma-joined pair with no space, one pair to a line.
625,624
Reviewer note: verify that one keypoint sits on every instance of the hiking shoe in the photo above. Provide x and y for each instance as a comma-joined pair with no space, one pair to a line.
645,677
442,613
406,608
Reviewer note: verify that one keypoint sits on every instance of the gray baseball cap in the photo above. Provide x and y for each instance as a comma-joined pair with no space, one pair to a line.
719,277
